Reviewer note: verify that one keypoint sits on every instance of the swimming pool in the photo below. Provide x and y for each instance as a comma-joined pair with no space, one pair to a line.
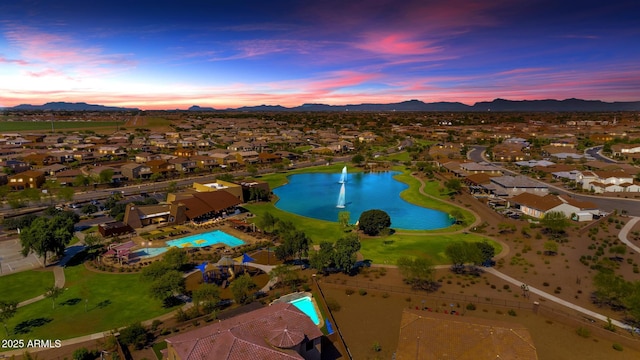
206,239
305,304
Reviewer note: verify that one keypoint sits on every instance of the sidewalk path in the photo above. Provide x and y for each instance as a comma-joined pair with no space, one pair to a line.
556,299
623,235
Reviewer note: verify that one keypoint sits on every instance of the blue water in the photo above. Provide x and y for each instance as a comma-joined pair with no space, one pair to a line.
316,196
306,306
206,239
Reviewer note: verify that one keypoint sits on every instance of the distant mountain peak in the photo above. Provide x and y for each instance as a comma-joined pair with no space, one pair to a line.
67,106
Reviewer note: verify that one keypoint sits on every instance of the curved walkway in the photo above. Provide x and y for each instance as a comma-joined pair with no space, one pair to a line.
556,299
623,235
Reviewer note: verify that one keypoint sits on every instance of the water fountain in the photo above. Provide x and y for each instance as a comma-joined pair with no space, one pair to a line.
343,177
341,197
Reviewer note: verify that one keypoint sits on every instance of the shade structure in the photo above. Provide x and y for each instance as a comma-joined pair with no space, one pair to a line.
202,266
226,261
246,258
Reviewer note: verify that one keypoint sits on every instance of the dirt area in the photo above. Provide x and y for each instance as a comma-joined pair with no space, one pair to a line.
374,318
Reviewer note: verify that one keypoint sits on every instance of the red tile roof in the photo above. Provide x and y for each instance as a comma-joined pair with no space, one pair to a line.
267,333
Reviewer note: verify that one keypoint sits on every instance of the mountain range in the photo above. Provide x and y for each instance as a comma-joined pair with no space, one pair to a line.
550,105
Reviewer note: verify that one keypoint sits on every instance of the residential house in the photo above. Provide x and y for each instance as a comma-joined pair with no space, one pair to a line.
184,165
68,177
206,162
514,185
15,166
446,150
53,169
38,160
30,179
247,157
607,181
160,166
476,168
269,158
134,171
278,331
509,152
625,150
538,206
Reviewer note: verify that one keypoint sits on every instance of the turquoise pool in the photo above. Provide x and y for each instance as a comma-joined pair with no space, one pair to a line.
305,305
206,239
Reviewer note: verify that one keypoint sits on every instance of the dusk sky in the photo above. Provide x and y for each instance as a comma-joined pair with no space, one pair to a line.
221,53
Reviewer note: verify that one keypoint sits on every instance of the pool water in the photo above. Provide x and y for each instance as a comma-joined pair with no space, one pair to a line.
206,239
306,306
315,195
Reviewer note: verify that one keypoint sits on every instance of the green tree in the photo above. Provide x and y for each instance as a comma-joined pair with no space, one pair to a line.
457,216
610,288
487,252
134,335
323,258
419,273
287,274
555,223
53,293
343,218
48,235
461,253
66,194
632,301
267,222
372,222
242,289
453,186
81,180
168,285
357,159
105,176
206,297
345,252
155,270
176,258
8,310
252,170
550,247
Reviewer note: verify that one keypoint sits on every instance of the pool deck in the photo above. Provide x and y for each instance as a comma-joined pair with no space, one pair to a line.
299,295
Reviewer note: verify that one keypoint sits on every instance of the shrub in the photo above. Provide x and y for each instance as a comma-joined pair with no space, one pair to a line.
333,304
349,291
505,286
471,306
583,332
385,295
362,292
617,347
376,347
512,312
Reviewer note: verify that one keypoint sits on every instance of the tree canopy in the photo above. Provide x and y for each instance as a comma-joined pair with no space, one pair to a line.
372,222
418,273
48,235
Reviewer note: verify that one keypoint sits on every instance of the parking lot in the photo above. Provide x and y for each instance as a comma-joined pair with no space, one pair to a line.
11,260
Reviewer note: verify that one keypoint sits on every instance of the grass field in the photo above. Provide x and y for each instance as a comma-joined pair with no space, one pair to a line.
25,285
8,126
114,300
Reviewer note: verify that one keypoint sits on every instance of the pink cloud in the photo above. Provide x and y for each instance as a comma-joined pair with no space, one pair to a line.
396,44
62,52
4,60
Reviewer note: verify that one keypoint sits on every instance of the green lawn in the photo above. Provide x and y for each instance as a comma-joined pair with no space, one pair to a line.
25,285
58,125
386,250
114,300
